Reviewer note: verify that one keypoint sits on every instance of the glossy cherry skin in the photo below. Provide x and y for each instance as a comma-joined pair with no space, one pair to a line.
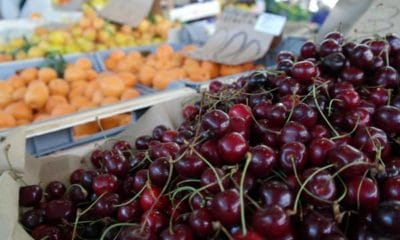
46,232
209,179
136,233
271,222
391,189
344,154
386,77
226,207
239,125
130,212
105,206
362,192
159,171
57,210
285,65
232,148
276,115
55,190
142,142
158,131
154,220
329,46
190,166
33,218
105,183
140,179
322,187
30,196
190,112
337,36
308,50
387,118
288,86
263,159
250,235
284,55
115,163
201,222
241,111
209,150
96,158
386,219
353,75
292,155
75,176
151,198
394,43
378,47
305,115
304,71
179,232
215,86
215,121
362,57
276,193
372,140
348,99
318,150
316,226
169,136
348,48
357,118
319,131
294,132
333,63
77,194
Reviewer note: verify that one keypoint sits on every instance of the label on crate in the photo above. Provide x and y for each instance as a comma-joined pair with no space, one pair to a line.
270,23
129,12
235,40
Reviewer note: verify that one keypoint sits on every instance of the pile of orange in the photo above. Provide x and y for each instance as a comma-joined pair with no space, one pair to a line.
35,94
158,70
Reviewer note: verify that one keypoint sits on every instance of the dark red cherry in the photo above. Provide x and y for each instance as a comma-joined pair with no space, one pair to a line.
318,150
201,222
386,77
348,99
77,194
30,196
305,115
329,46
158,132
334,63
388,119
239,125
105,183
140,179
123,147
130,212
271,222
169,136
293,155
134,233
343,155
378,47
226,207
386,219
247,184
260,110
372,140
378,96
337,36
288,86
357,118
115,163
241,111
55,190
32,218
215,86
285,65
190,112
348,48
394,43
284,55
362,192
316,226
319,131
294,132
142,142
277,115
209,150
232,148
263,159
159,170
178,232
87,179
154,220
58,210
353,75
152,198
76,176
362,57
250,235
215,121
46,232
191,165
391,189
308,50
304,71
96,158
209,178
321,185
104,207
276,193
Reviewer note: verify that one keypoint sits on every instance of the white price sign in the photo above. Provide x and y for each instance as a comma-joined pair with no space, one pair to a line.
270,23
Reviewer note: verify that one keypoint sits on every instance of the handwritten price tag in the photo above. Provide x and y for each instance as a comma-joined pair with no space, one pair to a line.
129,12
270,23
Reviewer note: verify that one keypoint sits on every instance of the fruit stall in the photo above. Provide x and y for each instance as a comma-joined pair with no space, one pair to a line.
117,131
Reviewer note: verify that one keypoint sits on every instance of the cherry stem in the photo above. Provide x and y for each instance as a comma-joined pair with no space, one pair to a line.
359,190
132,199
241,194
330,105
350,165
226,232
12,169
114,226
351,132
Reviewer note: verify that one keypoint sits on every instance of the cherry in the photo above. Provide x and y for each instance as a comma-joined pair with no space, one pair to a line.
319,131
77,194
90,231
247,184
115,163
263,159
172,148
271,138
394,43
87,179
142,142
159,151
353,75
158,131
232,148
140,179
288,86
190,112
343,155
271,222
308,50
190,165
96,158
184,136
372,140
169,136
294,132
130,212
293,154
377,64
241,111
378,47
318,150
30,196
201,222
285,65
391,189
334,63
135,233
46,232
154,220
329,46
33,218
357,118
255,80
151,198
348,99
395,61
178,232
57,210
250,235
316,226
386,218
104,207
209,179
284,55
386,77
276,193
55,190
240,126
260,110
339,87
75,176
215,121
122,147
388,119
362,192
322,187
159,171
337,36
362,57
135,160
226,207
304,71
348,48
105,183
215,86
277,115
209,150
305,115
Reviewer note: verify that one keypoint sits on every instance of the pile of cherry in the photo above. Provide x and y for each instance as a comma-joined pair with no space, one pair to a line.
309,150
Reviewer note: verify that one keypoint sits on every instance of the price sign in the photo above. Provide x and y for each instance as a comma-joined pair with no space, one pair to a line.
270,23
129,12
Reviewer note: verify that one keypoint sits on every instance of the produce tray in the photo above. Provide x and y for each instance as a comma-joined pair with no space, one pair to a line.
56,134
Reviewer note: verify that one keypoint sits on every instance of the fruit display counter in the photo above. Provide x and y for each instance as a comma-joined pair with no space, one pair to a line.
306,150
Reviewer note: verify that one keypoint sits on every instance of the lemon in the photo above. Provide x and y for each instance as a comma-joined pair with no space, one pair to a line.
57,37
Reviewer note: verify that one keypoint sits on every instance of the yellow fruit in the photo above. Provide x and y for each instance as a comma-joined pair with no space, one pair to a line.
21,55
57,37
144,26
35,52
17,43
36,95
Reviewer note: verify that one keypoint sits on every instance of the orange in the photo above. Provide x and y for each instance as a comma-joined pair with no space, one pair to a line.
129,79
89,105
126,29
16,81
129,94
21,122
84,63
111,85
164,51
125,66
199,75
37,94
97,97
111,64
109,100
79,101
62,109
188,48
146,75
47,74
7,120
86,129
164,78
117,55
91,75
58,87
110,122
79,85
29,74
248,66
90,88
6,86
190,62
125,119
135,57
177,60
210,67
40,117
73,73
20,110
227,70
5,98
54,101
19,94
